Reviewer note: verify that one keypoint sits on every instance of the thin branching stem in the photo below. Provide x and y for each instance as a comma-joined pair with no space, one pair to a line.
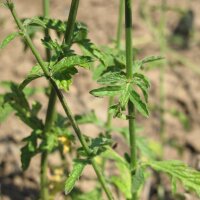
62,101
129,75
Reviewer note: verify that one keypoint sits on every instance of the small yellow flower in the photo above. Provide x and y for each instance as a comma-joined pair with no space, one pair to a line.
57,175
66,143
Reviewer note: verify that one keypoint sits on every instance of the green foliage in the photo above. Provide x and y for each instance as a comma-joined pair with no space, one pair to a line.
71,61
94,194
36,72
138,179
122,180
97,145
29,150
74,175
36,21
18,101
178,171
8,39
109,69
107,91
139,104
112,78
5,109
125,90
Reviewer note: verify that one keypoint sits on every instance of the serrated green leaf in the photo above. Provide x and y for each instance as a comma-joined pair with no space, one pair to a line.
151,59
52,45
111,154
36,72
123,180
124,96
112,78
139,63
29,150
18,101
54,24
107,91
36,21
71,61
141,78
95,194
138,103
92,50
80,32
5,109
8,39
121,185
64,79
74,175
189,177
138,179
143,83
173,185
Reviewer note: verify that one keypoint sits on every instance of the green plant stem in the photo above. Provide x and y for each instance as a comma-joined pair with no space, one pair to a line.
129,74
119,25
118,44
50,116
71,21
63,103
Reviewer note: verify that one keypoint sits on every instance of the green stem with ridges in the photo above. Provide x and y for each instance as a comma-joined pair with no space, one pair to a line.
63,103
129,75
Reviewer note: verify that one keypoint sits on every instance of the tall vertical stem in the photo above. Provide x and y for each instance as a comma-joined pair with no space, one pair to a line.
129,75
49,118
118,44
71,21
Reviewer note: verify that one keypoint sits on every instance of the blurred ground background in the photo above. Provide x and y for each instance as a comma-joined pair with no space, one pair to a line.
182,86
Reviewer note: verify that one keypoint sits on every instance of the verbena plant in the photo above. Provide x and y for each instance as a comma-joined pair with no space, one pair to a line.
122,80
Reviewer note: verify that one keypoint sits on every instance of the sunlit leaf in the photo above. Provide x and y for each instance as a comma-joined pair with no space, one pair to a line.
74,175
67,62
8,39
106,91
179,171
112,78
36,72
138,103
